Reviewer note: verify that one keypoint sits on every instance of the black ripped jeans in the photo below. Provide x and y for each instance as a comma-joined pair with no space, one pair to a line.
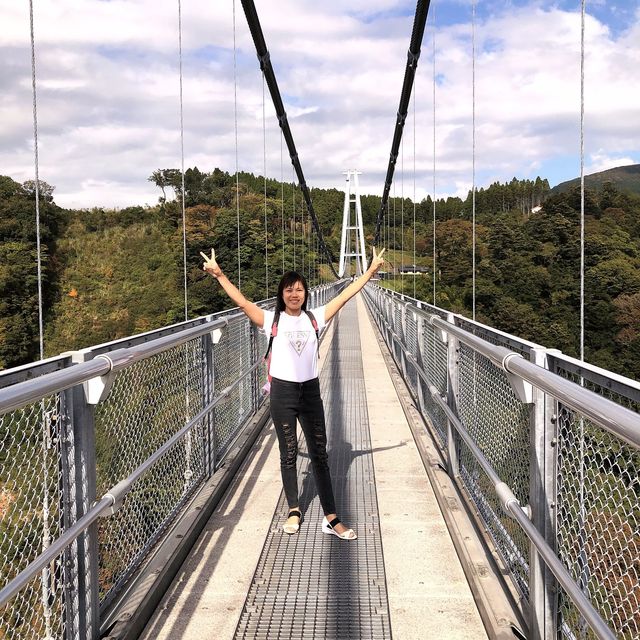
302,401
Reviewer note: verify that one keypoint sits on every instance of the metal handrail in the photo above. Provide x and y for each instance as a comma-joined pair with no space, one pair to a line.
23,393
618,420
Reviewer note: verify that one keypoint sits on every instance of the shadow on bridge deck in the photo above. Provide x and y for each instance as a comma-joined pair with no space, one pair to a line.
244,578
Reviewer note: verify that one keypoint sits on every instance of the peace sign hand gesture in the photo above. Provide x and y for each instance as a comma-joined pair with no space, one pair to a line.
377,261
210,265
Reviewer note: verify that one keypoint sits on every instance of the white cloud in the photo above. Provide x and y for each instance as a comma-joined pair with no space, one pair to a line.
600,161
108,105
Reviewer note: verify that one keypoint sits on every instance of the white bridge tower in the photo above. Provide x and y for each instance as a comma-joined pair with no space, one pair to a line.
352,245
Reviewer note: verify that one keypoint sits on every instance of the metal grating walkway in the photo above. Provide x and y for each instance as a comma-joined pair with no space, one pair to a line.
312,585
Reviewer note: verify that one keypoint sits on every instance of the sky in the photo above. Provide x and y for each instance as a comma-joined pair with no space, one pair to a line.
108,93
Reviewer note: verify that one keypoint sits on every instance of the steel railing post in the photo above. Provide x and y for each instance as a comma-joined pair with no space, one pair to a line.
453,379
207,397
81,558
255,374
421,362
404,312
542,583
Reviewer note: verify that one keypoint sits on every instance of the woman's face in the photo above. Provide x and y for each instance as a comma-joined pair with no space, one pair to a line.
293,297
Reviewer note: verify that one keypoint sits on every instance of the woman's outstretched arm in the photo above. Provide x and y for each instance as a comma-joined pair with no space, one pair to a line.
252,311
333,306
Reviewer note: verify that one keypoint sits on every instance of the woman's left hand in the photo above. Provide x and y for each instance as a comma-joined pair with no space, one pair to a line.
377,261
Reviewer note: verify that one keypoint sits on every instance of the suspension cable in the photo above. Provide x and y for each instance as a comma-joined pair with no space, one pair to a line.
395,246
473,156
184,214
235,117
388,244
402,214
414,192
434,160
582,20
188,472
265,64
302,241
420,19
37,180
266,232
293,198
282,199
46,438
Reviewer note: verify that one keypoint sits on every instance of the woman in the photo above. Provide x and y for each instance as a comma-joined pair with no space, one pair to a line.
295,388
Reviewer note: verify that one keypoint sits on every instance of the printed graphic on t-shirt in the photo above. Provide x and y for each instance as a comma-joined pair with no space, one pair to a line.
298,340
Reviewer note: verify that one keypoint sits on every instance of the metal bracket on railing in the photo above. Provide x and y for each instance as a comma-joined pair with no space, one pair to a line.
97,389
441,333
522,388
115,505
506,497
116,494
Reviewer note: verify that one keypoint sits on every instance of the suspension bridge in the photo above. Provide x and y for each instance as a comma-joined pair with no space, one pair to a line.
492,481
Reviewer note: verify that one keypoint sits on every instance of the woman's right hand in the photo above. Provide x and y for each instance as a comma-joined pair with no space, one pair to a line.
210,265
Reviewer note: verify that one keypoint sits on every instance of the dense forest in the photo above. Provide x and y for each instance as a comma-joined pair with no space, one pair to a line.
112,273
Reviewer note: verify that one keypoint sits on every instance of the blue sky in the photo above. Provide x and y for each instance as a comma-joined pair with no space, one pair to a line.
108,106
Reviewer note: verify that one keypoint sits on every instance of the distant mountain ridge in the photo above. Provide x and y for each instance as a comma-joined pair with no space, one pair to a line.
626,179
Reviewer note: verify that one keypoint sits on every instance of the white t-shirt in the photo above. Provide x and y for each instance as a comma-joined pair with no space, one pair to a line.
294,352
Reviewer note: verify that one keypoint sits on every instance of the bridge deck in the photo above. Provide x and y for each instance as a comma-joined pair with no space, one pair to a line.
247,579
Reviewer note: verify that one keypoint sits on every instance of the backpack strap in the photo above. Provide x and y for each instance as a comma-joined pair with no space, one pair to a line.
273,334
314,324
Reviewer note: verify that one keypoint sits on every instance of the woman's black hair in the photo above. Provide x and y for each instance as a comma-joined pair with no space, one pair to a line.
288,280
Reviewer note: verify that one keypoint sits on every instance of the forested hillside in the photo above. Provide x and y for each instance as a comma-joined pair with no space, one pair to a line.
108,274
626,179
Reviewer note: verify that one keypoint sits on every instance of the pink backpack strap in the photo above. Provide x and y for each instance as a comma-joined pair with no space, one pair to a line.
314,324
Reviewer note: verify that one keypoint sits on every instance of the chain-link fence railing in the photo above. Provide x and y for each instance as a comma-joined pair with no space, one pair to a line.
598,509
31,515
576,475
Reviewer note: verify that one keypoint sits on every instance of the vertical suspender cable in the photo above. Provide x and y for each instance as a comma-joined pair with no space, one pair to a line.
395,246
264,154
184,215
235,118
414,190
293,206
46,440
473,189
582,180
434,161
388,216
37,181
188,473
402,213
309,253
388,230
473,156
282,197
302,239
583,564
